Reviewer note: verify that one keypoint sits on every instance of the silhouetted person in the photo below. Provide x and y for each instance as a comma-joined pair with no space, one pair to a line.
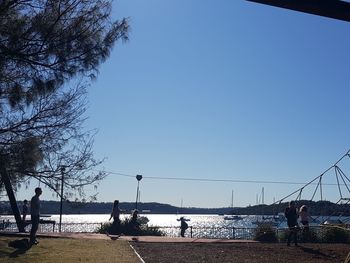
291,214
134,225
116,218
183,226
24,210
35,215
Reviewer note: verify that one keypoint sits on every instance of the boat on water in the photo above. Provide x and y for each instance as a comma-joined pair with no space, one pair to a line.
274,220
233,217
334,222
271,220
267,221
280,217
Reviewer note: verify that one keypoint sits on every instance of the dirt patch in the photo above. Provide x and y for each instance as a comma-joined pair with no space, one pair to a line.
241,252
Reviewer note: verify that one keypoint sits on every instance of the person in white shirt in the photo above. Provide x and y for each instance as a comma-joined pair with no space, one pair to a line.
304,216
304,219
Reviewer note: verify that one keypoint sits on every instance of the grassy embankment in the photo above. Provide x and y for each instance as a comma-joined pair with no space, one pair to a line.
69,250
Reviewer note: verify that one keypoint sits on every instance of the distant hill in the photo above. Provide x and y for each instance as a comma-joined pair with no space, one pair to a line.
53,207
315,208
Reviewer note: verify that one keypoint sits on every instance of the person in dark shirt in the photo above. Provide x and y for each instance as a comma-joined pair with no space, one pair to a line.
291,214
35,215
183,226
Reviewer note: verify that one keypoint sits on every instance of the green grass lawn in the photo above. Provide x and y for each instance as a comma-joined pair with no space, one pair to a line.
69,250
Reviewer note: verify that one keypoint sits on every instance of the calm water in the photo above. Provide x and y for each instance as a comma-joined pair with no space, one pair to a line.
163,220
170,220
202,225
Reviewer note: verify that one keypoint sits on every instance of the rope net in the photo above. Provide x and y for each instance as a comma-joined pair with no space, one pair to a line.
334,173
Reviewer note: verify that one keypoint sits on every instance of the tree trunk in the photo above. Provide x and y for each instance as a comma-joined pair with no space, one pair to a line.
7,182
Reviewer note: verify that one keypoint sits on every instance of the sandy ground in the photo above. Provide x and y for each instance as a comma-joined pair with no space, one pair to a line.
240,252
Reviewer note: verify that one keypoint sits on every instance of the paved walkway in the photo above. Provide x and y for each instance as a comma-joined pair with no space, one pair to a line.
152,239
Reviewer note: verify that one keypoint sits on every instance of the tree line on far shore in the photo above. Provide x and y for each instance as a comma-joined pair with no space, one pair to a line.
53,207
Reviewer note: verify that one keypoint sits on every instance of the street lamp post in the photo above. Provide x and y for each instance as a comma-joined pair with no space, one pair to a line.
138,178
61,205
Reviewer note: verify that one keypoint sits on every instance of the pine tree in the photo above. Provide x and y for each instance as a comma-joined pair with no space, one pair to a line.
49,50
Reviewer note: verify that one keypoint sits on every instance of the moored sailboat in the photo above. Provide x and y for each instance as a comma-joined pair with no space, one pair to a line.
232,217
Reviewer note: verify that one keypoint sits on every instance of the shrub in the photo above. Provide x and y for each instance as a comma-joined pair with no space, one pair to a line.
282,235
265,233
312,235
150,231
125,229
335,235
103,229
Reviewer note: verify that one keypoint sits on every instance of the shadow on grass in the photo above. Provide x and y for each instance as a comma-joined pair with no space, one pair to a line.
14,254
18,252
21,246
313,251
4,254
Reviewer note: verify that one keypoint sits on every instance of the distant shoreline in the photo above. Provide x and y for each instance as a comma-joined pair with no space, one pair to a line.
52,207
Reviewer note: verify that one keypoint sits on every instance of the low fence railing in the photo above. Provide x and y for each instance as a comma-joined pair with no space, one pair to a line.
317,233
45,227
210,232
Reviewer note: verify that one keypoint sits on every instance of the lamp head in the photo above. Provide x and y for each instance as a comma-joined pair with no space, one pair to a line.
139,177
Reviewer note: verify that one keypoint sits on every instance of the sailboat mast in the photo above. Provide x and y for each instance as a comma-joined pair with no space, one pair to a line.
262,194
232,199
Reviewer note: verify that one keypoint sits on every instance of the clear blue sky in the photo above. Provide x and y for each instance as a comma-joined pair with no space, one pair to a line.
220,90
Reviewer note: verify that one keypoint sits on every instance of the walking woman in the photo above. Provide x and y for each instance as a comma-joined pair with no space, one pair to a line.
115,229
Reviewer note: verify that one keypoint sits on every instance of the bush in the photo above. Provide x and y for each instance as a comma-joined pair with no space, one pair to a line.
125,229
282,235
150,231
103,229
312,235
265,233
335,235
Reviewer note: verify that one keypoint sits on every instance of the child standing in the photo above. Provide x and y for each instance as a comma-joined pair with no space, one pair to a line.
183,226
